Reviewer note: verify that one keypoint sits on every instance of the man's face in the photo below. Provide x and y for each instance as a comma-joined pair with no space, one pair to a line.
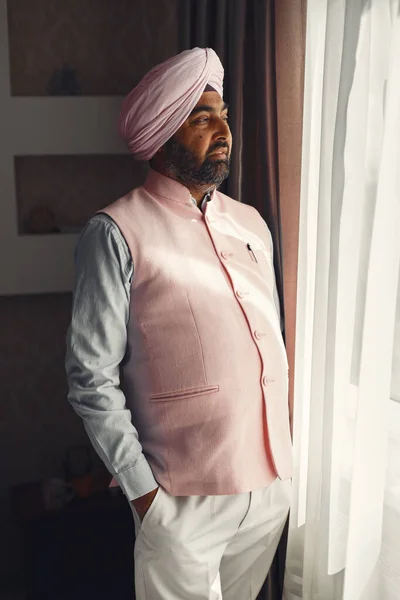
199,152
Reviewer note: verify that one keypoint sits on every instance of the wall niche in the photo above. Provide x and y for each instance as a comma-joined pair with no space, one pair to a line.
90,48
58,194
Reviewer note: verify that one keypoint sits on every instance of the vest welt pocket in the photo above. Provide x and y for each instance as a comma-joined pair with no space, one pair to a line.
258,255
262,256
184,394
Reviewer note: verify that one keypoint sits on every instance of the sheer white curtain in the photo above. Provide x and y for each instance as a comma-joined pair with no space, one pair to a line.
344,533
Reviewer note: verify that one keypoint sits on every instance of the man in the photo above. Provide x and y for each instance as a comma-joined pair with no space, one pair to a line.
175,357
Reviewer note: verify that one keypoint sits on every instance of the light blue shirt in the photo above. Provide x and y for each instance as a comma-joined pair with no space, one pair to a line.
96,345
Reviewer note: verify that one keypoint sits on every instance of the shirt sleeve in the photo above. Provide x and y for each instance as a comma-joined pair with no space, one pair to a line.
96,345
275,291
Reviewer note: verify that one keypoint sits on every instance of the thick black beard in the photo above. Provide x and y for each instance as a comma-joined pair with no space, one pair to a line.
181,165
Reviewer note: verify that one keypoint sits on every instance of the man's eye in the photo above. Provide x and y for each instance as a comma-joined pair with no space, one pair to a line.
202,120
226,118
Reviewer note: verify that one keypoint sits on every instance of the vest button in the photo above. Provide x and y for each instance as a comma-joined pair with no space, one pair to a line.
257,335
224,254
265,380
240,294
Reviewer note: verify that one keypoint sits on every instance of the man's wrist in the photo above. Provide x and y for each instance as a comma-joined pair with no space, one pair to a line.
143,503
144,500
137,480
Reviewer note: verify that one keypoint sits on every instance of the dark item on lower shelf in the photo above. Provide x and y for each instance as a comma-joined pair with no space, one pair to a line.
82,551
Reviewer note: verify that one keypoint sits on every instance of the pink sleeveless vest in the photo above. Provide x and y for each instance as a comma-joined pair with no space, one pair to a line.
205,373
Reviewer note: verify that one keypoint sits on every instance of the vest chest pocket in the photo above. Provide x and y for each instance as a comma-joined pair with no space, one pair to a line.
259,255
253,257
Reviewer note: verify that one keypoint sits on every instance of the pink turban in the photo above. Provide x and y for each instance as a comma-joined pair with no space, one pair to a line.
162,101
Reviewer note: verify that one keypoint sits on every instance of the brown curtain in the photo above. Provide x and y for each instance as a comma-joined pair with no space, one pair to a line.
261,44
220,24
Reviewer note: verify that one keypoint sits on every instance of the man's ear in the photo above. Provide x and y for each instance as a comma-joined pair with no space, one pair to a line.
157,158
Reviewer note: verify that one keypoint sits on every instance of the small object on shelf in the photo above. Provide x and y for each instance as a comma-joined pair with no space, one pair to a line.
40,219
56,493
77,467
83,485
63,82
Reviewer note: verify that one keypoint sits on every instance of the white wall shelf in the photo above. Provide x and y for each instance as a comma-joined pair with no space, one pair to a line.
44,126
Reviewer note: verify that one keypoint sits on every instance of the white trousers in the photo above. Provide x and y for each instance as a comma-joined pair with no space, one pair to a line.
209,547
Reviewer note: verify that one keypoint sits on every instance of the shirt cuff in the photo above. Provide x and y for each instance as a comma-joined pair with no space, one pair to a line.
138,480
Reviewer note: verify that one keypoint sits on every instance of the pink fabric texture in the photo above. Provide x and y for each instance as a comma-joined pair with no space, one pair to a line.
206,374
155,109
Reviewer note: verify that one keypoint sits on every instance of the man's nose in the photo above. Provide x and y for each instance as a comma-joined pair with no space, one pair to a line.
222,130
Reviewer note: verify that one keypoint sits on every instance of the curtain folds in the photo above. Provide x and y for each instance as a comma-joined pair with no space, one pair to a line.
345,520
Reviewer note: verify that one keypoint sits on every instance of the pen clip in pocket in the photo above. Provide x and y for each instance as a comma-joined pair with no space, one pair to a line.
252,255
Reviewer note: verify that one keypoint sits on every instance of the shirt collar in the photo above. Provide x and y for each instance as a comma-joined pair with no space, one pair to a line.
206,198
161,185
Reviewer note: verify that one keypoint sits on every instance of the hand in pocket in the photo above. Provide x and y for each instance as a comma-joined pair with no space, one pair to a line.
143,503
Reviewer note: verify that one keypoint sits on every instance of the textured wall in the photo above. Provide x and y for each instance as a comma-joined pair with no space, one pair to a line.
73,187
36,421
110,44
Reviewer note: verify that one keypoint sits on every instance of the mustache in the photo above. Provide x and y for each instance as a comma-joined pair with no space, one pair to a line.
216,146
